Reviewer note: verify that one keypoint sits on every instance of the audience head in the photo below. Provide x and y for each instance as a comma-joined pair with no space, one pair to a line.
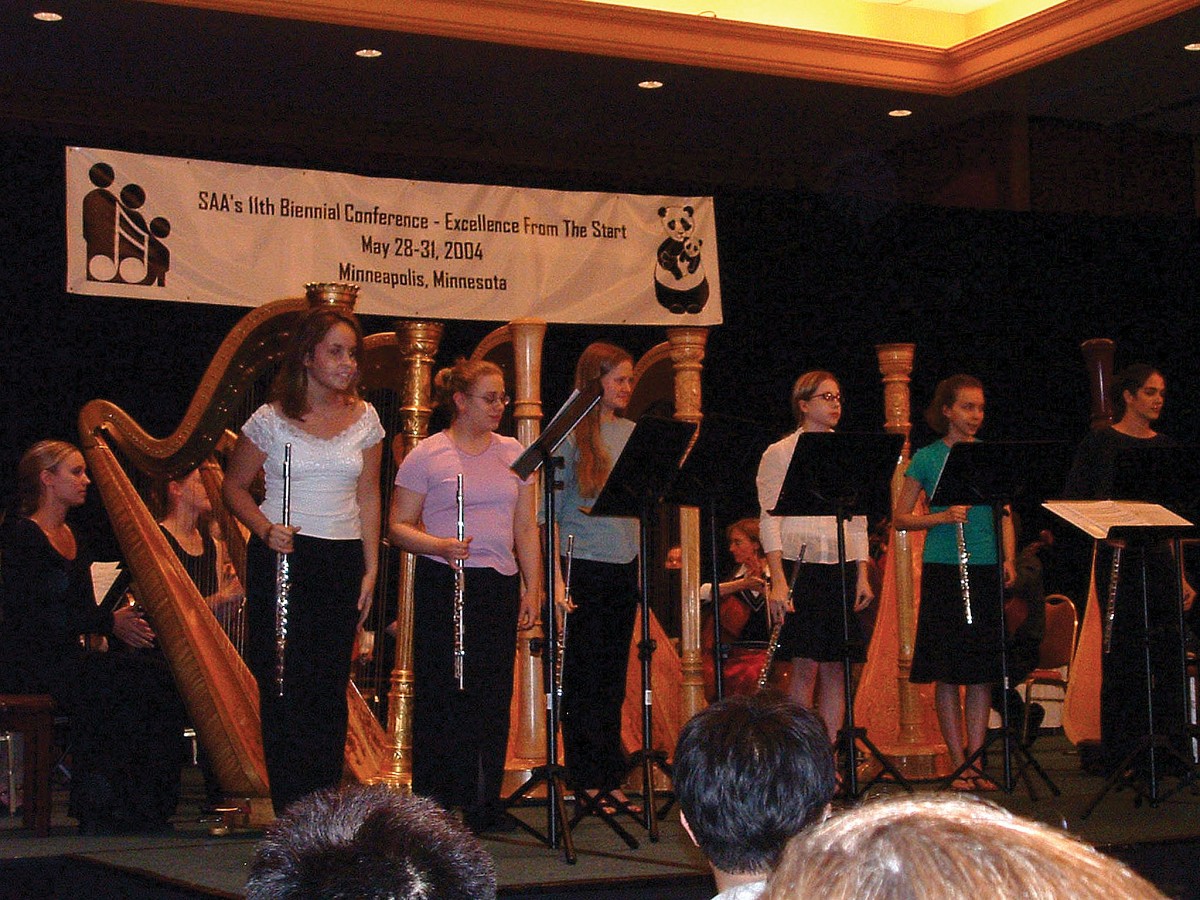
943,847
944,395
43,457
751,772
370,843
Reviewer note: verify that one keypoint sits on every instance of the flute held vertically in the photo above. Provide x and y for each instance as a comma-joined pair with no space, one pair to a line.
563,613
964,575
460,591
283,577
777,628
1110,607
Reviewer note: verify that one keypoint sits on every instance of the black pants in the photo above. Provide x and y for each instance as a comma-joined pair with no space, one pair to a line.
594,667
460,737
304,731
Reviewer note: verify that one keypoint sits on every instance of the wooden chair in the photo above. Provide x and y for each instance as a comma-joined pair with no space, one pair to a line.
32,716
1054,654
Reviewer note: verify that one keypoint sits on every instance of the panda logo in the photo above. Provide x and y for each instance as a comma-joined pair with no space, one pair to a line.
680,284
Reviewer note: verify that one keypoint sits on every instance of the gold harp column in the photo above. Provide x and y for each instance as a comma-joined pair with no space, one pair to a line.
418,341
687,354
529,728
896,364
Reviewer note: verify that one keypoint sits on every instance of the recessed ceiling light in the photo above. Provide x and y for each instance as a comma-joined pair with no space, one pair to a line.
650,85
899,113
368,53
1192,47
47,16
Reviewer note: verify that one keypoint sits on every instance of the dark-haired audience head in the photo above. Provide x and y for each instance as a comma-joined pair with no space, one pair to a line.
942,847
944,395
1129,380
750,773
370,843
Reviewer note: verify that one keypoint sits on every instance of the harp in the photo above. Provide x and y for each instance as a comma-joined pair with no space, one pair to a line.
1081,705
219,691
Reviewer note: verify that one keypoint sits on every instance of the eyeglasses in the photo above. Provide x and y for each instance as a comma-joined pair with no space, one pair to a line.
828,397
493,398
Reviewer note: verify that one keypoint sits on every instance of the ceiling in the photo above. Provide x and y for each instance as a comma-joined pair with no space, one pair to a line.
206,80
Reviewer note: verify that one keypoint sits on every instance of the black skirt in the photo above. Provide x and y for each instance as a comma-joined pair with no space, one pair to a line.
947,649
815,630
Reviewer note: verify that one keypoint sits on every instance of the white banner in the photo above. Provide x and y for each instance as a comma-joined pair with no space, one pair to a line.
162,228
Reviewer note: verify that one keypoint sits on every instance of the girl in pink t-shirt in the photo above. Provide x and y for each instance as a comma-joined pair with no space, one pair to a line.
460,736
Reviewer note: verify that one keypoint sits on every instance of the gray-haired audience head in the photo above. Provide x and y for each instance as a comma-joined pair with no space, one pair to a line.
942,847
370,843
751,772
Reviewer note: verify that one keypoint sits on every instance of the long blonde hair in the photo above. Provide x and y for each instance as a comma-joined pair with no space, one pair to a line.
594,464
805,388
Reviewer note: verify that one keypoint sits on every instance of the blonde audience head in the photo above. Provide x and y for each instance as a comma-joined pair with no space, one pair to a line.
941,847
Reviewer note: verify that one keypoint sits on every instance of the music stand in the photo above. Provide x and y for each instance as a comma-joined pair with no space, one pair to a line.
724,444
840,474
1152,485
540,454
639,478
993,474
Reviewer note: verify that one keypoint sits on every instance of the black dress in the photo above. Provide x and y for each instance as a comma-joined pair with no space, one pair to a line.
126,718
1124,716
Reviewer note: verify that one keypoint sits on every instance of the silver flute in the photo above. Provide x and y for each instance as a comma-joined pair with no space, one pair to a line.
460,591
964,575
283,576
777,628
561,650
1110,609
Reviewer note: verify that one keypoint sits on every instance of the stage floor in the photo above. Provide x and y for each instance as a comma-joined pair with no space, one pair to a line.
195,863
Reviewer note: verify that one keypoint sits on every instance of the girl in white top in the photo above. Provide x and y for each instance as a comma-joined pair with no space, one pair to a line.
812,635
333,543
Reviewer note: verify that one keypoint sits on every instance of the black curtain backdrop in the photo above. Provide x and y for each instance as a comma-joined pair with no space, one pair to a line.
807,281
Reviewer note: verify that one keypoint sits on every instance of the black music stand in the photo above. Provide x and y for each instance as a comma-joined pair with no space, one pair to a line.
724,445
540,454
639,478
994,474
840,474
1165,481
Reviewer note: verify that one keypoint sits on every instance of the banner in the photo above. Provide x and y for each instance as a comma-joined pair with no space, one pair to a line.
162,228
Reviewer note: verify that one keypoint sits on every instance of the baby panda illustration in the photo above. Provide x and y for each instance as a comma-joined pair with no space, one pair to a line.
680,284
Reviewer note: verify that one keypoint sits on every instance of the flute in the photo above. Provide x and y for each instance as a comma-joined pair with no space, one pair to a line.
777,628
283,576
460,591
964,578
564,612
1110,609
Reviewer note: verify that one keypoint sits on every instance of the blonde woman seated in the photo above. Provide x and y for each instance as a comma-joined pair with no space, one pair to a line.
946,847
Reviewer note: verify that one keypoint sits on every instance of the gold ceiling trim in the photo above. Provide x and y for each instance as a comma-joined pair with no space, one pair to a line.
619,31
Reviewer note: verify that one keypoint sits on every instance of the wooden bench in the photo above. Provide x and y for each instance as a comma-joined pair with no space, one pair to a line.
32,716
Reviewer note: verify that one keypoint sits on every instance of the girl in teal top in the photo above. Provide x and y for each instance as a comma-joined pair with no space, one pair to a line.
949,651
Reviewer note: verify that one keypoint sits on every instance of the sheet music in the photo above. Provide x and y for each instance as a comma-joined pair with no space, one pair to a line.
1098,517
103,576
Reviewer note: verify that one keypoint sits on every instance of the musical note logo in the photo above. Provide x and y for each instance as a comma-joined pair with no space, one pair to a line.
121,247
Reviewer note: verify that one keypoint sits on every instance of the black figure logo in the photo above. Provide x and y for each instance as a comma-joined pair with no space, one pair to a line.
121,247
